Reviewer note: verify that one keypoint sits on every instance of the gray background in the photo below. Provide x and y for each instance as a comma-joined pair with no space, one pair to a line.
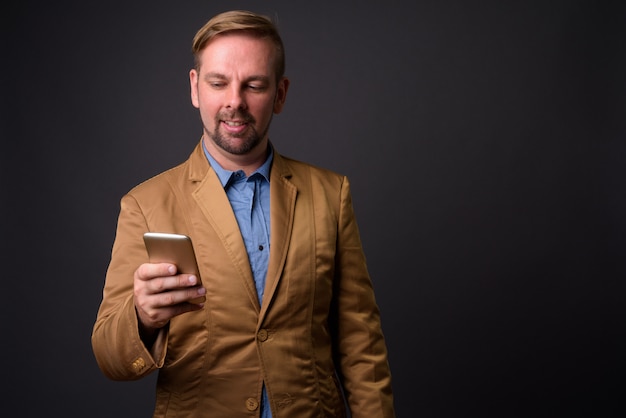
485,144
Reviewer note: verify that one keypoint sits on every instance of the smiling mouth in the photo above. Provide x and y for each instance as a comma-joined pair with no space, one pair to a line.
233,123
235,127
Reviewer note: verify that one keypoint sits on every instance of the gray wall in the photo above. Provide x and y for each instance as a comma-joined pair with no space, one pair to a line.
485,144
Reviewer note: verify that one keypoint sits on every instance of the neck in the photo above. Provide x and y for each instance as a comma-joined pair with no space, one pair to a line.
248,162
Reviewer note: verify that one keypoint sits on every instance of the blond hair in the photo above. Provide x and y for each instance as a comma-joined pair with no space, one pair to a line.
240,21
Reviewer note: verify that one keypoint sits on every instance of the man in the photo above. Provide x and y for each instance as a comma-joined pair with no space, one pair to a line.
289,324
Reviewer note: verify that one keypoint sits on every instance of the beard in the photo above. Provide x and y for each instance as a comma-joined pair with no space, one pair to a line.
237,144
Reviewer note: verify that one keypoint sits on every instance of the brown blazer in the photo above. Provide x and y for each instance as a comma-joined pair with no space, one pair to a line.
317,334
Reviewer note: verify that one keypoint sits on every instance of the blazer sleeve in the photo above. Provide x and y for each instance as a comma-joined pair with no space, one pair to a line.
361,348
119,351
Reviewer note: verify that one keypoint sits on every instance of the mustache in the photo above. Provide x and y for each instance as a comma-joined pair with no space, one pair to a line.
241,115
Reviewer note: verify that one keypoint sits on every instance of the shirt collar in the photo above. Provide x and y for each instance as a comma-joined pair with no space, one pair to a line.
225,175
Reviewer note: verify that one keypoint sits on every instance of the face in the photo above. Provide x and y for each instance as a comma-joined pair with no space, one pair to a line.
236,91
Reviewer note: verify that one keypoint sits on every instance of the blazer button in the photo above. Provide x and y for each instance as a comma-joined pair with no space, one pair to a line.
262,335
252,404
139,364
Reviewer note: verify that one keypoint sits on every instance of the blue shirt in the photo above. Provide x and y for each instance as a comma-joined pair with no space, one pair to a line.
250,200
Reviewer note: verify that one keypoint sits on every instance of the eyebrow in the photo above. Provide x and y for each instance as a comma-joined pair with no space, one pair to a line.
214,75
220,76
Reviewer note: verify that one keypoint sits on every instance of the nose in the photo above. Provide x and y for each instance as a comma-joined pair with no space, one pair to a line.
235,98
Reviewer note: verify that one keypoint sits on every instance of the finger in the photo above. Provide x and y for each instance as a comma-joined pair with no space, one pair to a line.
166,284
158,317
148,271
176,297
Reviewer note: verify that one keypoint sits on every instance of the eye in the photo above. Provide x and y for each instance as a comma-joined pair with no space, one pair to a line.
258,87
217,84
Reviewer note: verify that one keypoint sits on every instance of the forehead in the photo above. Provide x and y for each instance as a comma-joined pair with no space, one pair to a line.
239,52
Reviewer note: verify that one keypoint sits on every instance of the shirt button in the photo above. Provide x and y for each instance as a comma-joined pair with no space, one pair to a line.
262,335
260,248
252,404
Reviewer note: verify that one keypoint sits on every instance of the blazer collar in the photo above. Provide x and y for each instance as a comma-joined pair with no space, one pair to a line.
219,214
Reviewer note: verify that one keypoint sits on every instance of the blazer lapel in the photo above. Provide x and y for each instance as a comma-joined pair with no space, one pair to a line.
282,206
214,203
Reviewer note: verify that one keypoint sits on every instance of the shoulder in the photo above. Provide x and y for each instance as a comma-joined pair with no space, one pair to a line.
163,181
290,167
321,184
180,177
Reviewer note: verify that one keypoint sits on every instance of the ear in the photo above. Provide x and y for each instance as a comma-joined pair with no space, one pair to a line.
281,95
193,84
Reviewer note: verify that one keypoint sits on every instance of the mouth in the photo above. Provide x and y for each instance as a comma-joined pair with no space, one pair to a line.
234,126
234,123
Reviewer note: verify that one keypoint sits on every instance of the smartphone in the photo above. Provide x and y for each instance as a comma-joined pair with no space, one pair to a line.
176,249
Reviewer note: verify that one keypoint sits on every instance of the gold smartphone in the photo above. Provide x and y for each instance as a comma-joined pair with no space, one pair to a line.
177,249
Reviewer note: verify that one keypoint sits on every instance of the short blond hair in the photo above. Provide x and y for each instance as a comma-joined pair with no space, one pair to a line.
240,21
